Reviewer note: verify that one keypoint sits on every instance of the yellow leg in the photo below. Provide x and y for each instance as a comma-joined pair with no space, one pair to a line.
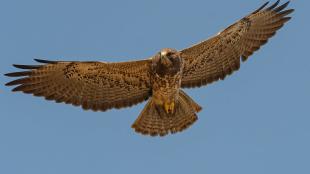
169,107
172,105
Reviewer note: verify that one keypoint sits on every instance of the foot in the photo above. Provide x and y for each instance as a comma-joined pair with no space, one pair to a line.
169,107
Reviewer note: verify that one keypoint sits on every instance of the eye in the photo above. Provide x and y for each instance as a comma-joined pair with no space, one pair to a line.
169,54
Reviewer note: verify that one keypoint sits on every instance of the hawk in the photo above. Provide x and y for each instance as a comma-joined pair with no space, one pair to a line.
100,86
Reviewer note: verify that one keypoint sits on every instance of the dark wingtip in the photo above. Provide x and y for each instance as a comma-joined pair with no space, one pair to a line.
8,74
26,66
283,6
261,7
18,74
44,61
14,82
286,12
18,88
273,5
287,19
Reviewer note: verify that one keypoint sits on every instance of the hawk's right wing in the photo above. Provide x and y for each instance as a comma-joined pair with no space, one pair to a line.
220,55
92,85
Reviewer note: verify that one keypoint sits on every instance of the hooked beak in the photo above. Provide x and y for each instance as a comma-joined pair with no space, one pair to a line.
164,59
163,54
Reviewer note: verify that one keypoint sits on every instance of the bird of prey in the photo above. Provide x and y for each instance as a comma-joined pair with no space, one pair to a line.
100,86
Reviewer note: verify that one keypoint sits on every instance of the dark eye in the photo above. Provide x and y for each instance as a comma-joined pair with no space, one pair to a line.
169,54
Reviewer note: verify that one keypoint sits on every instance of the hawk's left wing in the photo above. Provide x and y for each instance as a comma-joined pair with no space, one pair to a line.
92,85
219,56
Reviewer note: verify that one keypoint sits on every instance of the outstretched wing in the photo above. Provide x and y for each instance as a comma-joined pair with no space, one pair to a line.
219,56
92,85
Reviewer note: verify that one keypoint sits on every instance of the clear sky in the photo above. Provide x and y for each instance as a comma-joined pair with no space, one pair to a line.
256,121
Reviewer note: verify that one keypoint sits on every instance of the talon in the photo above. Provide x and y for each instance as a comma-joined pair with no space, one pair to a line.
169,107
166,106
172,107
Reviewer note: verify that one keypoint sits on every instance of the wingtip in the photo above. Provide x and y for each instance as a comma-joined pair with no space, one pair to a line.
26,66
18,74
16,65
273,5
261,7
9,84
17,82
44,61
281,7
7,74
288,18
287,12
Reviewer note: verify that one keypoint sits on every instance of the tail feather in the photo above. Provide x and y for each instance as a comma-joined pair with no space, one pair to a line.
153,120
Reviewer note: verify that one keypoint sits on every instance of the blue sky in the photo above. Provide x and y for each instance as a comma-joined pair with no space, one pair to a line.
256,121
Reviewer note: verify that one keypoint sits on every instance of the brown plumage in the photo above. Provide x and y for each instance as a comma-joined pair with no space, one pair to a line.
102,85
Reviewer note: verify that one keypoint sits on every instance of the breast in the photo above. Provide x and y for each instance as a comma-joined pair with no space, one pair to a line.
166,88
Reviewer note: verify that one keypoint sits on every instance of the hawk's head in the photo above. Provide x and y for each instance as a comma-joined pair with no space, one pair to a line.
168,60
169,57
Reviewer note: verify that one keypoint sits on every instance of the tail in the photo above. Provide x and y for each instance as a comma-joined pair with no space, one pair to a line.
153,120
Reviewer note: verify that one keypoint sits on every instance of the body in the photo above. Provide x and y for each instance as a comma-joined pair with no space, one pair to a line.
169,109
167,68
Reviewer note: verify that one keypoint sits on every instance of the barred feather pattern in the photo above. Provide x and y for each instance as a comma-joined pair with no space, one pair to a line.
154,121
220,55
92,85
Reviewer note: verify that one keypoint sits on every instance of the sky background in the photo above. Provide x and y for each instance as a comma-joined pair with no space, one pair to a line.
256,121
